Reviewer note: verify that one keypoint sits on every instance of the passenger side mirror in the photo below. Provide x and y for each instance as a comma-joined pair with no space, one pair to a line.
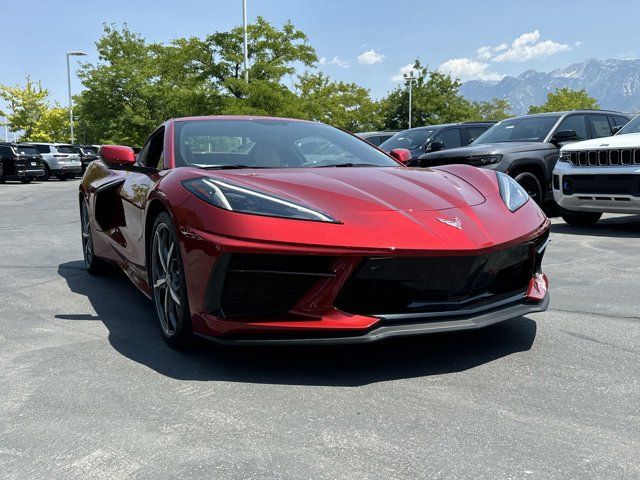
118,154
616,129
401,154
435,147
564,136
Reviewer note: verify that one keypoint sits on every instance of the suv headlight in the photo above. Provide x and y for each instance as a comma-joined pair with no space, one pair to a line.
565,157
235,198
513,195
484,159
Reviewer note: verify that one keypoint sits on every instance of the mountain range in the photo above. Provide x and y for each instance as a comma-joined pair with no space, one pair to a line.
615,84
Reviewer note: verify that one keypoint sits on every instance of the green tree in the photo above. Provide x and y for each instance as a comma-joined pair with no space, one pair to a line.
31,113
566,99
436,100
496,109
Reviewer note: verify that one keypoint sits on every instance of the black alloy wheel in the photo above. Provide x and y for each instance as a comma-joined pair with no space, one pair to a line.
531,184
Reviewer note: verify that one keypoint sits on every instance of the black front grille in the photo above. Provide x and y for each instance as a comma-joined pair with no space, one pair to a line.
605,158
269,284
396,285
601,184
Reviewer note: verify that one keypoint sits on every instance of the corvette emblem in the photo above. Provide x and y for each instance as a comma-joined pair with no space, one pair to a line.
456,222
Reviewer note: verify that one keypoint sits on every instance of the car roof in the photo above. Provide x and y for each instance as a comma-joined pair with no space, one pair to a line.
238,117
567,112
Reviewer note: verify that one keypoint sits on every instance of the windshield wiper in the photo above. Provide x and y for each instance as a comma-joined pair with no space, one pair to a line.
225,167
348,165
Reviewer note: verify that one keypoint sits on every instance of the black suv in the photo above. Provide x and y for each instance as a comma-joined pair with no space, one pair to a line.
20,162
527,147
88,153
433,138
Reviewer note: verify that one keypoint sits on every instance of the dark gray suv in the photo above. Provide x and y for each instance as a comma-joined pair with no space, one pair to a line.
527,147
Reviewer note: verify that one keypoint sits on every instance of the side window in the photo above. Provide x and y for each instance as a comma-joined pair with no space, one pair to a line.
601,126
43,148
471,133
619,120
152,154
577,123
450,138
374,140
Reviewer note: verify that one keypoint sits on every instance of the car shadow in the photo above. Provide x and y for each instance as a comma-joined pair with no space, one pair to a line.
627,226
130,319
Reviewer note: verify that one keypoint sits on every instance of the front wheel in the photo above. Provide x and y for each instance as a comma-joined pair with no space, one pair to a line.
531,184
580,219
168,284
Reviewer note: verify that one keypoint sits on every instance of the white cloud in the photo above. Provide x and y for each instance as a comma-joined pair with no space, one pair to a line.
334,61
528,46
370,57
485,53
406,70
467,69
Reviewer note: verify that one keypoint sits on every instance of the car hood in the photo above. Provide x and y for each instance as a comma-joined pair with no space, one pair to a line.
488,149
361,189
628,140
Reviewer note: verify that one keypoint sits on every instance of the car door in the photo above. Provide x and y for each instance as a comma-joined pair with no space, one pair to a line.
579,124
472,132
5,167
450,138
138,182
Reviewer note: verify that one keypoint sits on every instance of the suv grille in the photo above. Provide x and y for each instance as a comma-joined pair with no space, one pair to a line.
605,158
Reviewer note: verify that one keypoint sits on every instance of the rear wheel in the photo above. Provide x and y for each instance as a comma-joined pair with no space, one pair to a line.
47,174
62,178
168,284
531,184
26,180
94,265
580,219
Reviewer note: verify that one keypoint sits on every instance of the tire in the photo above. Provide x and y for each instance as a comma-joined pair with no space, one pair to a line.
93,264
531,184
47,174
26,180
580,219
167,282
62,178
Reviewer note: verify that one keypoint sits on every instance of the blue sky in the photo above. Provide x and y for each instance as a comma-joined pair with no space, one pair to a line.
367,42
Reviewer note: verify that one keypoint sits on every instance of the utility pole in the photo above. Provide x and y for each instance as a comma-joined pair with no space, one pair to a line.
409,79
70,54
246,48
6,130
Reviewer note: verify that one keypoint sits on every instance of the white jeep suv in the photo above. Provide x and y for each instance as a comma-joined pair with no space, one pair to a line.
599,175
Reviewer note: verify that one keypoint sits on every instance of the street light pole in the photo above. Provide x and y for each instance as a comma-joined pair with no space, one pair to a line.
246,48
6,130
409,78
69,54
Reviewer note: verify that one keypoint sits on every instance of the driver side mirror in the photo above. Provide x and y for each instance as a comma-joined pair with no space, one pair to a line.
118,155
435,147
401,154
616,129
564,136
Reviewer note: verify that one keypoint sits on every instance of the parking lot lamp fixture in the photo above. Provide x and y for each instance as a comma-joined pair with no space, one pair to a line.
409,79
245,46
71,54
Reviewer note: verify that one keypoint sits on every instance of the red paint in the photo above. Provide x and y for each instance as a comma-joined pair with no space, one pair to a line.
118,154
401,154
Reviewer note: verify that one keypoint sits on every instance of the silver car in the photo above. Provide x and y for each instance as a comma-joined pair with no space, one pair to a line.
61,160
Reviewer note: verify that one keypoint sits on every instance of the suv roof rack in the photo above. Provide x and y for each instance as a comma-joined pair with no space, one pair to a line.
594,110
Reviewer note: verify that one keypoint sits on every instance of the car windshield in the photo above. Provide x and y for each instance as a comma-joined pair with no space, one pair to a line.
521,129
66,149
26,150
632,127
409,139
262,143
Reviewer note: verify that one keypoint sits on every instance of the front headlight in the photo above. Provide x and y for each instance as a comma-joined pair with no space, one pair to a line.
484,159
513,195
564,157
235,198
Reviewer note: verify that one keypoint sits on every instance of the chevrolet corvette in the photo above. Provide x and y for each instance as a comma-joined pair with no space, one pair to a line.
247,230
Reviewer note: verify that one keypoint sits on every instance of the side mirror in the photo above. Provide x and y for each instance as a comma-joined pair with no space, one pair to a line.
401,154
616,129
435,147
118,154
564,136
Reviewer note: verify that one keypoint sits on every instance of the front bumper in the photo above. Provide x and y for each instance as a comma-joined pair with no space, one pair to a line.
471,321
597,189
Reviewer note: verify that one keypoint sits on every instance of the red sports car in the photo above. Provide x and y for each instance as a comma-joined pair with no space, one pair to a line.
269,230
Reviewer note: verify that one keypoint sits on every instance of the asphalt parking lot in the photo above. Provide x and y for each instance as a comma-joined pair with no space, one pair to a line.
88,388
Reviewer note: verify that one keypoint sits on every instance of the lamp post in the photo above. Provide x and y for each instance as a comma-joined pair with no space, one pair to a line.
409,78
245,48
71,54
6,130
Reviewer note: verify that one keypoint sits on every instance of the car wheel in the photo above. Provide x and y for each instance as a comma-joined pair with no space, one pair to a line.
26,180
94,265
531,184
580,219
2,180
47,174
62,178
168,284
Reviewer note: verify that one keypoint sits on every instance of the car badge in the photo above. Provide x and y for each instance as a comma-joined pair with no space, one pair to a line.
456,222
